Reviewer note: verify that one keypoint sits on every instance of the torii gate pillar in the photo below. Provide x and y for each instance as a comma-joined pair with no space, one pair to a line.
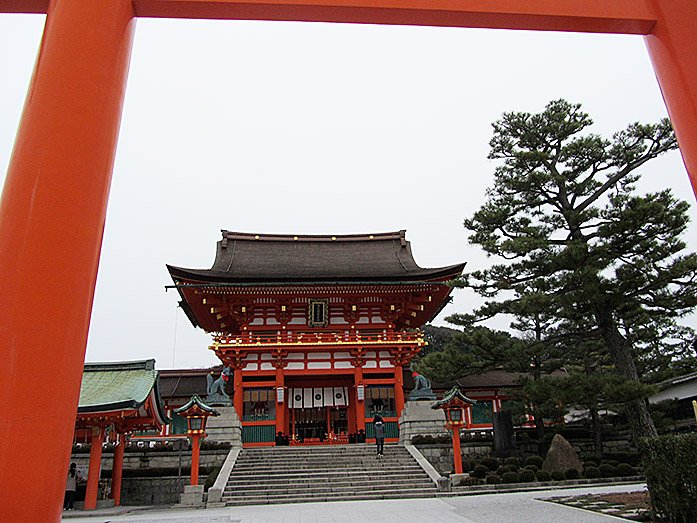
672,46
54,201
52,216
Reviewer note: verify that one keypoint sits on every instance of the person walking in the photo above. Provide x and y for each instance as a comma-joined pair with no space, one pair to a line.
71,487
379,431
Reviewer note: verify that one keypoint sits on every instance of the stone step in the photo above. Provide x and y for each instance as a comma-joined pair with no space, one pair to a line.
327,488
362,496
320,476
377,482
304,474
294,473
381,464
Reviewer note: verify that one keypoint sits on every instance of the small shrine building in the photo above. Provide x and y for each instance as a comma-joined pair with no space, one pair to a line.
317,329
116,399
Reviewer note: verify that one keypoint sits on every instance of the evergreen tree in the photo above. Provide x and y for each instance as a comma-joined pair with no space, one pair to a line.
563,213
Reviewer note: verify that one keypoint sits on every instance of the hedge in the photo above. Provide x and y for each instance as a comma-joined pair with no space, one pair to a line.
670,465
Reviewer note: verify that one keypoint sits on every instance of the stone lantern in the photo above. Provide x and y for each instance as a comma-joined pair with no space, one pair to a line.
454,403
196,413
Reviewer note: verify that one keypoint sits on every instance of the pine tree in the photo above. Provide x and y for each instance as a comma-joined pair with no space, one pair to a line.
563,213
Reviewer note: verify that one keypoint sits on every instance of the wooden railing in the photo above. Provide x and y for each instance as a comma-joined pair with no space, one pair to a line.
352,337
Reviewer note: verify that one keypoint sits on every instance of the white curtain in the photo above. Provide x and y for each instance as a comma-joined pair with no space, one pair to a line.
305,398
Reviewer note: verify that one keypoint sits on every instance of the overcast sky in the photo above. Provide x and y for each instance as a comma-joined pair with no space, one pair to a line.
279,127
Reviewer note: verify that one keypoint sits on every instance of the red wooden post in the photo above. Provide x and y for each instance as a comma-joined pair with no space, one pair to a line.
399,389
280,407
117,470
237,398
194,458
671,46
95,468
56,191
457,453
360,404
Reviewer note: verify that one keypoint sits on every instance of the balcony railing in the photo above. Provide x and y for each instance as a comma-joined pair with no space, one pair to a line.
352,337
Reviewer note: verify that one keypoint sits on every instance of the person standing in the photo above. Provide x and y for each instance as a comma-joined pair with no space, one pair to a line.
71,487
379,431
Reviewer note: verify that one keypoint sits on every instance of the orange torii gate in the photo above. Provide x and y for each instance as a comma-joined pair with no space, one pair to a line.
55,196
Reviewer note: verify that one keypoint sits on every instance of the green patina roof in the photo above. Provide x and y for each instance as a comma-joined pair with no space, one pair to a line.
451,395
107,386
198,402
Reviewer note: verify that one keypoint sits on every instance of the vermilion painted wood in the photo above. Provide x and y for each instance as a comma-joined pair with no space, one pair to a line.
54,200
95,468
608,16
673,50
51,223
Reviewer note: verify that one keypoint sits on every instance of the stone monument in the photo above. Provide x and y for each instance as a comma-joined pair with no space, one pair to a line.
417,417
227,427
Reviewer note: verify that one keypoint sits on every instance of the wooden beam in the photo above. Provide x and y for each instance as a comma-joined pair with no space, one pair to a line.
588,16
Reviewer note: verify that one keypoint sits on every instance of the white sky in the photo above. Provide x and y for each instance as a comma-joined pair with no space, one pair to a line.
315,128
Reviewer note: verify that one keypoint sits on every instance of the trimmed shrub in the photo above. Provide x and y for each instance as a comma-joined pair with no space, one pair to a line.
670,465
493,479
467,465
526,475
479,471
512,462
624,470
543,475
534,468
632,458
490,463
591,472
572,474
534,460
470,481
607,470
612,462
510,477
558,475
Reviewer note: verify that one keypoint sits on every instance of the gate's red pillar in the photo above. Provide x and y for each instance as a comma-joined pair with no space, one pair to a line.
280,407
52,216
95,468
399,389
117,470
673,48
237,395
360,404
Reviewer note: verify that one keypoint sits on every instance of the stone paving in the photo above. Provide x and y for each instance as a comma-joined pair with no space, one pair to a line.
519,507
604,507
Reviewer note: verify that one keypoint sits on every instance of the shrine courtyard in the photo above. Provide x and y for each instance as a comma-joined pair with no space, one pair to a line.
514,507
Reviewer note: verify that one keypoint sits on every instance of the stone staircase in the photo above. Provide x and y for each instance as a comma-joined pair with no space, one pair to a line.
266,475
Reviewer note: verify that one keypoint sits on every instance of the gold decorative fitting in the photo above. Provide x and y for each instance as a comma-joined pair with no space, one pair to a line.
391,307
204,301
353,307
283,308
333,238
256,237
413,314
218,316
295,237
371,237
244,309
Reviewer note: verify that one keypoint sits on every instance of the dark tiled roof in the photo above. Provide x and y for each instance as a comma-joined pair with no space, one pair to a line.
259,258
182,384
